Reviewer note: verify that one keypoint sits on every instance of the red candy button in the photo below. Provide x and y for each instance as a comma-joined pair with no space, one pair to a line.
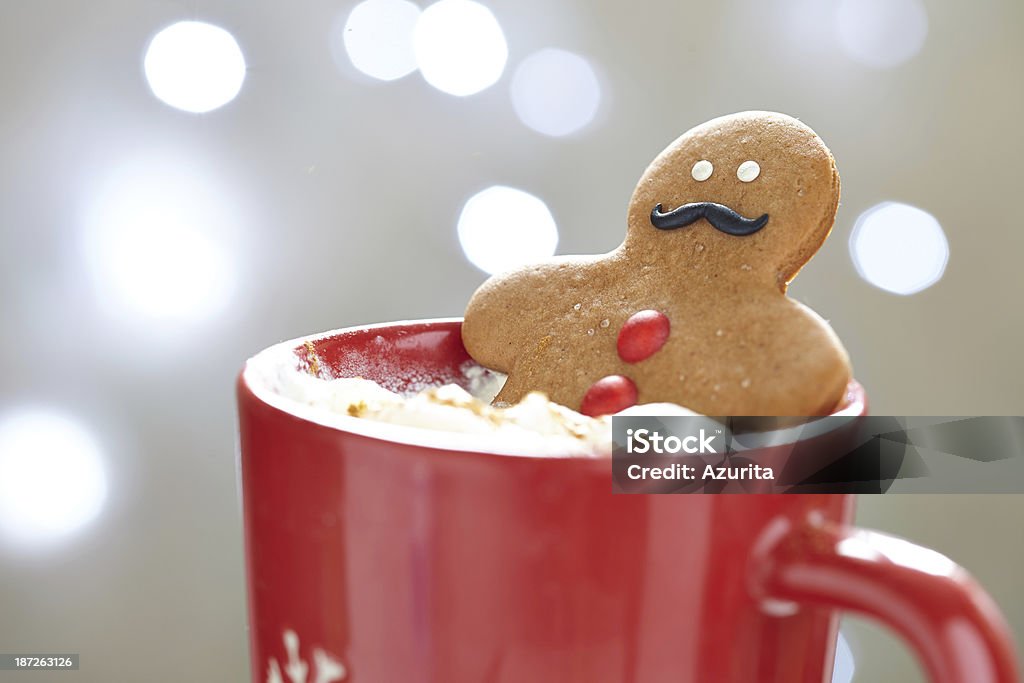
609,395
642,335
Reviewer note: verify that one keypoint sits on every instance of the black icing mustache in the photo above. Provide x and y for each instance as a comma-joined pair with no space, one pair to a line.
721,217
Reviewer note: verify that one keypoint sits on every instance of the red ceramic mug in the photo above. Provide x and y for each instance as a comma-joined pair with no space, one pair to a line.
381,555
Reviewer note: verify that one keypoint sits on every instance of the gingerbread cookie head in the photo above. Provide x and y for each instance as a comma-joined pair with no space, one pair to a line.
691,309
761,176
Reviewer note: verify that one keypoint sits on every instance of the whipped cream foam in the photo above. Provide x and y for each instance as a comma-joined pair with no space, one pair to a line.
446,416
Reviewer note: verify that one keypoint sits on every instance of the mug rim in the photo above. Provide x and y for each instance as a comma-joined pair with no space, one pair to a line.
475,443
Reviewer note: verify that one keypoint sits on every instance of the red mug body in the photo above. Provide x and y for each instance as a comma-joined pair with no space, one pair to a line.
375,559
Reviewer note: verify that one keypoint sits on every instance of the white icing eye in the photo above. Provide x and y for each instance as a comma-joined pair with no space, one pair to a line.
702,170
748,170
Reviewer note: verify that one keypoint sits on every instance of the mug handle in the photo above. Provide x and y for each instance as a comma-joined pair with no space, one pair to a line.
956,629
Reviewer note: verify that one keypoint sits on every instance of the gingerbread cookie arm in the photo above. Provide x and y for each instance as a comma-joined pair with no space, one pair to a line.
810,368
826,364
765,355
516,318
503,309
487,325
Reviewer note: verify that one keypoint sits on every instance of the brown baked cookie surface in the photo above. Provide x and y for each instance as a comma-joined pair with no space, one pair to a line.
692,307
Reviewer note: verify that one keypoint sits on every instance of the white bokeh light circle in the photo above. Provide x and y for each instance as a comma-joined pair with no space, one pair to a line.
155,242
162,265
555,92
52,479
844,666
881,33
460,47
899,248
194,66
378,38
501,228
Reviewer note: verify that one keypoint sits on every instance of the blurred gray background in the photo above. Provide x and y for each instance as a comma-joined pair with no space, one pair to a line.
147,250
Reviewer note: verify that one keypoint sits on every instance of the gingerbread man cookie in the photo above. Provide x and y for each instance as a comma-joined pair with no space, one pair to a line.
692,307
